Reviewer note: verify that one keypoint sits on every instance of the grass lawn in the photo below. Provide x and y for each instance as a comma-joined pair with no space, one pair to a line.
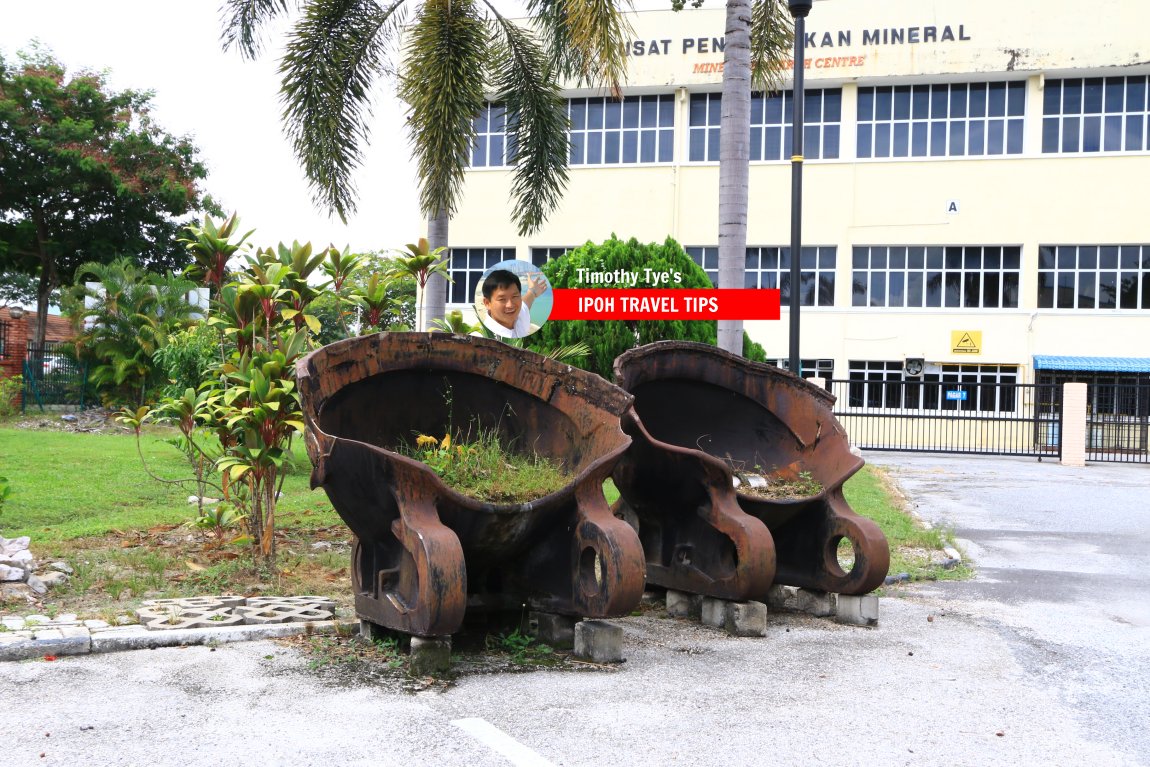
85,498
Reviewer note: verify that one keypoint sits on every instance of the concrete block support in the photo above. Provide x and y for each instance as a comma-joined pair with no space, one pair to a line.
746,619
681,604
857,611
552,629
599,641
1074,424
714,612
429,655
820,604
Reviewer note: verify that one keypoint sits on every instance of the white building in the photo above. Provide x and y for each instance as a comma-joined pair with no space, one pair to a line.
974,184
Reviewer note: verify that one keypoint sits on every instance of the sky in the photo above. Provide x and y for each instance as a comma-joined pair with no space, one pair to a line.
229,107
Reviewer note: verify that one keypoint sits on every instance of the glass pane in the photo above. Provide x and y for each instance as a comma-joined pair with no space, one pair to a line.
938,139
1128,257
920,102
958,101
595,147
1091,133
613,113
1045,257
934,289
631,113
1067,256
859,257
630,146
996,100
1115,93
882,103
773,110
864,140
919,139
698,145
666,112
992,258
773,144
901,140
832,105
882,140
902,102
994,138
878,258
977,104
1134,132
611,147
1052,98
914,289
1112,134
895,296
990,284
1065,294
1107,257
648,112
1016,99
1014,137
1050,134
953,295
830,142
813,107
1010,290
713,144
1135,94
897,258
972,290
1070,134
957,138
858,289
826,289
1107,290
666,144
1128,285
977,137
1092,96
1071,97
578,140
715,109
698,114
811,135
595,113
939,96
647,146
1046,290
578,114
916,257
1011,258
479,153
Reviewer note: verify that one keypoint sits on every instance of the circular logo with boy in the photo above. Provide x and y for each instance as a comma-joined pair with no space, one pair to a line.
513,299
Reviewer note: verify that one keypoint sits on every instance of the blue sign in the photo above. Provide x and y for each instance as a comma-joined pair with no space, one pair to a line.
956,395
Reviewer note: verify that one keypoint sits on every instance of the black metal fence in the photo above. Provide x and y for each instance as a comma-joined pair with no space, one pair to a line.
994,418
52,376
1118,422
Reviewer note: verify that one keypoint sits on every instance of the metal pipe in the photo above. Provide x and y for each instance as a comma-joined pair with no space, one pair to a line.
799,9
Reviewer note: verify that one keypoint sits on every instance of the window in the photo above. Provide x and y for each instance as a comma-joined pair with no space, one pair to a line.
489,150
957,120
824,369
634,129
979,388
1120,394
708,259
1096,114
771,120
3,339
768,267
467,266
771,268
969,277
540,256
1094,277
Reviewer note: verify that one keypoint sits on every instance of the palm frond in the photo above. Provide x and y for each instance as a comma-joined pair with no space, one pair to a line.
334,55
772,43
243,20
586,38
442,82
536,123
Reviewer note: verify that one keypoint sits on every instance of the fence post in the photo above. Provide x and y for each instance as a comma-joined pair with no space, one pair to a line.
1073,431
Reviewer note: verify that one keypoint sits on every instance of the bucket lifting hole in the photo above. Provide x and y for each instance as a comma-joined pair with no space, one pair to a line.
843,555
590,571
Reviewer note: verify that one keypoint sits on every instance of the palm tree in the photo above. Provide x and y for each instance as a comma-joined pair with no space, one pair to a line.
453,54
759,35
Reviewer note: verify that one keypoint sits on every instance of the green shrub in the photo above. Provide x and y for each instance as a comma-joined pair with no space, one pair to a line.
188,358
10,388
610,338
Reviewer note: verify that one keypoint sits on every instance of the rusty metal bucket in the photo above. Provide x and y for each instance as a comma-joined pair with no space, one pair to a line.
424,552
700,414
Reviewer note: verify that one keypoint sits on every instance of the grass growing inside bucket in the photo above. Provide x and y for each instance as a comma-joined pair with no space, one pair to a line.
481,467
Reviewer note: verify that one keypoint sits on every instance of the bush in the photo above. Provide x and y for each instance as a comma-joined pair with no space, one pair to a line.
10,388
188,358
610,338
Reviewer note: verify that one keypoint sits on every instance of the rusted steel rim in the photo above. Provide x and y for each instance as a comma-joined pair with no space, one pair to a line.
696,398
421,543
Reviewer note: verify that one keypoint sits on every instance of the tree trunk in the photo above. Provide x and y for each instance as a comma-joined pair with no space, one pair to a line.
431,303
48,280
734,162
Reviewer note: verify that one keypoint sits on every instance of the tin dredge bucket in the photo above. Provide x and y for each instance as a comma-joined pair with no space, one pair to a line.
425,553
700,417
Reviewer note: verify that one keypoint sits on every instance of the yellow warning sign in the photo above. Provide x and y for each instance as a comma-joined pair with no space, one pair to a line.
966,341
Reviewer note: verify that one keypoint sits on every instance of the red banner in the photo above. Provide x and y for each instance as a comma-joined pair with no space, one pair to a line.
673,304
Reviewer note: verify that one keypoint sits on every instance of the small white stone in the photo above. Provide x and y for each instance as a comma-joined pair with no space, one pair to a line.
21,556
66,618
53,578
41,619
11,546
96,624
62,567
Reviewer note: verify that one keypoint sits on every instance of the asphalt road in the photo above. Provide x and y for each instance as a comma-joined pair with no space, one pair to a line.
1042,659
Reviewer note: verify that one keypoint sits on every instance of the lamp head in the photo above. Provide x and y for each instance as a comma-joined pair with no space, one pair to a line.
800,8
15,312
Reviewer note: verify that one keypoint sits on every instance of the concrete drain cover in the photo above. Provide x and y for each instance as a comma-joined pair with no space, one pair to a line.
209,612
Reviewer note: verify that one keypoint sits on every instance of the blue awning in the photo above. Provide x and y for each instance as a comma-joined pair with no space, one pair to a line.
1094,364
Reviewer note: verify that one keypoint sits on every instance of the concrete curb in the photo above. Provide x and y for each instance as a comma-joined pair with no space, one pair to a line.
79,640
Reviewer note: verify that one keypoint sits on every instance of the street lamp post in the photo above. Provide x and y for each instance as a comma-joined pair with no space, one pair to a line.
799,10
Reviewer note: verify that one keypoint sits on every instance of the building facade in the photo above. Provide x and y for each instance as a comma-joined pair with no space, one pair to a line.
973,186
